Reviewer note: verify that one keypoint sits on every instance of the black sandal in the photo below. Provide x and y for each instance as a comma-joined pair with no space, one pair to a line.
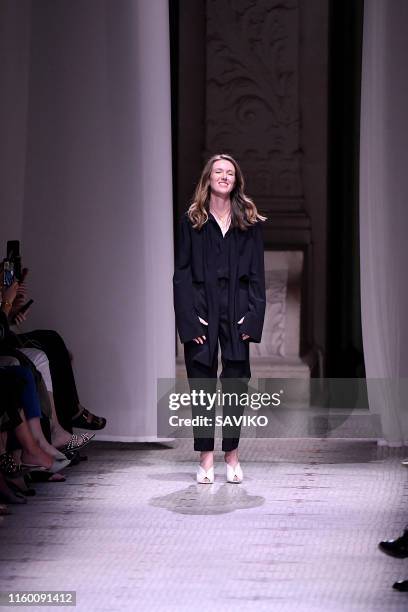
87,420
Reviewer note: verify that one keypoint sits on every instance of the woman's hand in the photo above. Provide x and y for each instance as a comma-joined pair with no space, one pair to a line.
21,298
19,318
22,292
200,339
243,336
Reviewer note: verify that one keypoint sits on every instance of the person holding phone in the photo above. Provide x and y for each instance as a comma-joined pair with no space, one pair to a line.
21,304
11,348
70,412
8,294
219,297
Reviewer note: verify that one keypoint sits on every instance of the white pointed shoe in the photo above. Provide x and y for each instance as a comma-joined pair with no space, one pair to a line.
202,474
234,474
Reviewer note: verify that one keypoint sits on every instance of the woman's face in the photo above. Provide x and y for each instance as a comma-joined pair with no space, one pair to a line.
222,177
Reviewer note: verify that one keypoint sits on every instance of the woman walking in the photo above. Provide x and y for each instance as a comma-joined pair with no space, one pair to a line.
219,297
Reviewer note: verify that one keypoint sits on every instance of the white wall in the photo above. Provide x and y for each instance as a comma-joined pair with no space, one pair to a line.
97,222
14,64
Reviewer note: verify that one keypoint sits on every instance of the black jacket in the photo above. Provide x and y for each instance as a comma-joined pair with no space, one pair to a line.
195,286
4,329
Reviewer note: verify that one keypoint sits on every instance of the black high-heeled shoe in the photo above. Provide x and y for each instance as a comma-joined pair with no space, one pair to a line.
47,477
27,491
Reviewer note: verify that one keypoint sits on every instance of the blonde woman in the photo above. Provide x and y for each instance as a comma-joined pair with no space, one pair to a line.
219,297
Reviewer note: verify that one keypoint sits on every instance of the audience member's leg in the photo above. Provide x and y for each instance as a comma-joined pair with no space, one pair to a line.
31,453
32,409
59,436
41,363
63,381
68,408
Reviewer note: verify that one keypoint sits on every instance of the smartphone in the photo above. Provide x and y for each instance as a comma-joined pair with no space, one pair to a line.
25,306
13,249
8,273
13,255
23,309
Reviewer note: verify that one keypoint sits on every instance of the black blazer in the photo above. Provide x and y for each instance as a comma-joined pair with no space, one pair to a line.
195,286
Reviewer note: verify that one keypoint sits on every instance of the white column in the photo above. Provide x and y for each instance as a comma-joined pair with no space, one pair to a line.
97,230
155,188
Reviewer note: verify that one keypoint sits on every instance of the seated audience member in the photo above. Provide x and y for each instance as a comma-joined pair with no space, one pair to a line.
18,399
37,360
32,411
60,439
69,409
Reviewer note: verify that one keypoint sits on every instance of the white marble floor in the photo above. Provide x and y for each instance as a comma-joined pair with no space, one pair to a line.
130,530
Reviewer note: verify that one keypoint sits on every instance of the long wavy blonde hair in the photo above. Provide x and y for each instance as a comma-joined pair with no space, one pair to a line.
243,210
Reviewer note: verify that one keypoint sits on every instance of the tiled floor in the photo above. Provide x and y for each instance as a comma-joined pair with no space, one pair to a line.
130,530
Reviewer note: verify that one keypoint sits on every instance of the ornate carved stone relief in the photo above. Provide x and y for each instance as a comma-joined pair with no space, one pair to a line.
273,336
252,97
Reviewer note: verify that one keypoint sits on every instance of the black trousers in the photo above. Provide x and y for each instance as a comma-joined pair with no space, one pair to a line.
63,381
234,379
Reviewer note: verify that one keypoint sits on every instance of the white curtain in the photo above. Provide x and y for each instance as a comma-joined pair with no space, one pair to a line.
384,213
90,138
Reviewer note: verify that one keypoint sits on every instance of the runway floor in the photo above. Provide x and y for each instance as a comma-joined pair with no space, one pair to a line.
130,530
